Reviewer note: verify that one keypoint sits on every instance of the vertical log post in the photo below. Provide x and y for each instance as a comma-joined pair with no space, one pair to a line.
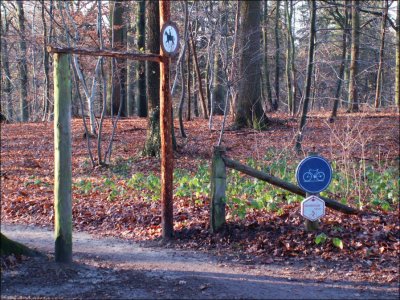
62,159
167,156
218,188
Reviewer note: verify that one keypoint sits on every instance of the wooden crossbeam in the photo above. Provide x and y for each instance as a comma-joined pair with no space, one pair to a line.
105,52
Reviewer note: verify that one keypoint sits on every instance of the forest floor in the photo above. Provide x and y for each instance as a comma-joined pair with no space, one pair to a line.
267,254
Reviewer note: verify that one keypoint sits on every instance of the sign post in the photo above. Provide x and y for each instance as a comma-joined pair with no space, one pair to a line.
313,174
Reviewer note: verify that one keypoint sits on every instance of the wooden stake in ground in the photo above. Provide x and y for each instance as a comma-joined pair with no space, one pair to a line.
167,156
62,159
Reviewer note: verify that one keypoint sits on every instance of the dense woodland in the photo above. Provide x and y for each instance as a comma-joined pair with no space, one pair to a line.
270,82
244,59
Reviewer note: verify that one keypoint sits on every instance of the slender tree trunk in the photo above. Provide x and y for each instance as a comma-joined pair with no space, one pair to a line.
397,96
289,64
233,76
46,67
381,53
199,80
6,65
189,74
265,62
62,159
119,43
307,89
342,66
277,51
167,157
22,64
355,45
182,71
153,142
141,69
130,72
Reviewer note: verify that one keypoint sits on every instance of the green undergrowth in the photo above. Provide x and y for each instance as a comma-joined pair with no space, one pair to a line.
356,184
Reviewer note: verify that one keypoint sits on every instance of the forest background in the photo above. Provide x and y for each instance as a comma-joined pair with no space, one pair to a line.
289,76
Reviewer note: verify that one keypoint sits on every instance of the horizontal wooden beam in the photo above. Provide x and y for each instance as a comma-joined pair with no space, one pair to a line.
105,52
286,185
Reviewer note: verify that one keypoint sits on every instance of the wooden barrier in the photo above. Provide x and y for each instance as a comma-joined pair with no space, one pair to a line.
218,187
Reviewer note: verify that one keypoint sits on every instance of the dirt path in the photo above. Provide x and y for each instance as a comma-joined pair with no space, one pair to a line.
112,268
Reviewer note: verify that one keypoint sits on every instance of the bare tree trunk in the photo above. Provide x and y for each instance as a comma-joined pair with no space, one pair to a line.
277,51
182,66
233,76
355,45
22,64
6,65
46,67
153,142
289,64
249,111
342,65
378,101
141,69
199,80
307,89
119,43
189,74
265,62
130,69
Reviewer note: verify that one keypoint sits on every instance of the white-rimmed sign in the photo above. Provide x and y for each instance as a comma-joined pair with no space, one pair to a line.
313,208
170,39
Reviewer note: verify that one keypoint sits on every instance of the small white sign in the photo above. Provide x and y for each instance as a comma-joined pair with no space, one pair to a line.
313,208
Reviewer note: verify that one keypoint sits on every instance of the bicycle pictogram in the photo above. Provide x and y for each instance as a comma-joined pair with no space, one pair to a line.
313,176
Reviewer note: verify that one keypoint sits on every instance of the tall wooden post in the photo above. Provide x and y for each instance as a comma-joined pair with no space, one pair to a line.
62,159
167,156
218,188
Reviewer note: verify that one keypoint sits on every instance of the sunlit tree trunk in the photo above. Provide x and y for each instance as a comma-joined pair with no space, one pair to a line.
265,62
249,111
378,95
130,69
342,65
355,46
22,64
152,145
141,69
46,65
307,89
290,73
277,52
119,43
6,65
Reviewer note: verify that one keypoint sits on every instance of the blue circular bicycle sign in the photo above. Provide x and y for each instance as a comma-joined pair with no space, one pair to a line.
314,174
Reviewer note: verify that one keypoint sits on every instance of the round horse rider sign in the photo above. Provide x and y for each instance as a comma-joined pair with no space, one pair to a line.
170,39
314,174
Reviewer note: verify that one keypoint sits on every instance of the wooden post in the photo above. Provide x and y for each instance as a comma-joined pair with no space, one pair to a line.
167,156
218,188
62,159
